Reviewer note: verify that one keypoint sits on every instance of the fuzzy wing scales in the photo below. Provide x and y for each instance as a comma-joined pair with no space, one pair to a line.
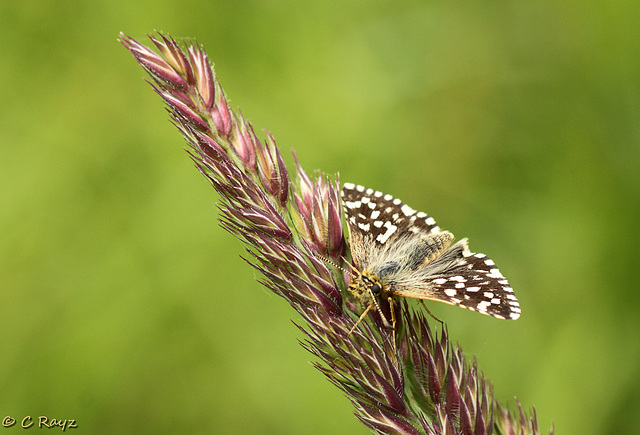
461,278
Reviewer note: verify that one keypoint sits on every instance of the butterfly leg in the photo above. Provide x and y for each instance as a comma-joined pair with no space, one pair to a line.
434,317
361,317
393,322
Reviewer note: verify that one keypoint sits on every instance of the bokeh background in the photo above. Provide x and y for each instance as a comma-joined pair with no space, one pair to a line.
125,307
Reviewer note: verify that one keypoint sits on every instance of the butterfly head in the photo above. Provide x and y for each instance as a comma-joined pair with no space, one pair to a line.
366,286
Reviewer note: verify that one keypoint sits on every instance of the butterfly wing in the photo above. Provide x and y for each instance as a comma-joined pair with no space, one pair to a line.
376,220
462,278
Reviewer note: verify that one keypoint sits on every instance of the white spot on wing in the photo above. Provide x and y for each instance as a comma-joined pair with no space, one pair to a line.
382,238
494,273
407,210
482,306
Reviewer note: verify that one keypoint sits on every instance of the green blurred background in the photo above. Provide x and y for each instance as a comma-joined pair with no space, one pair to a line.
125,307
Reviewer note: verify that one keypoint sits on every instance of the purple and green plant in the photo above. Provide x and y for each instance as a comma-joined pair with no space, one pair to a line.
292,227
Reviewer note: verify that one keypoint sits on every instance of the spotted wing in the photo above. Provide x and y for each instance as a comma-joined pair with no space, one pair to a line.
383,217
459,277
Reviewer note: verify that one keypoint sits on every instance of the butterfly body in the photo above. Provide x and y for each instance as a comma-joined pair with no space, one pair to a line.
399,252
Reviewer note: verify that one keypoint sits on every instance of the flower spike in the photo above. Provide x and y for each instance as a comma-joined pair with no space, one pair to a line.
288,225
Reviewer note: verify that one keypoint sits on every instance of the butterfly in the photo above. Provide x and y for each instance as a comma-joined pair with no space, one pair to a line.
399,252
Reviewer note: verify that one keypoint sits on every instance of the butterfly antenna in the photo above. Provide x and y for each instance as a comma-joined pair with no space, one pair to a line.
334,264
353,272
